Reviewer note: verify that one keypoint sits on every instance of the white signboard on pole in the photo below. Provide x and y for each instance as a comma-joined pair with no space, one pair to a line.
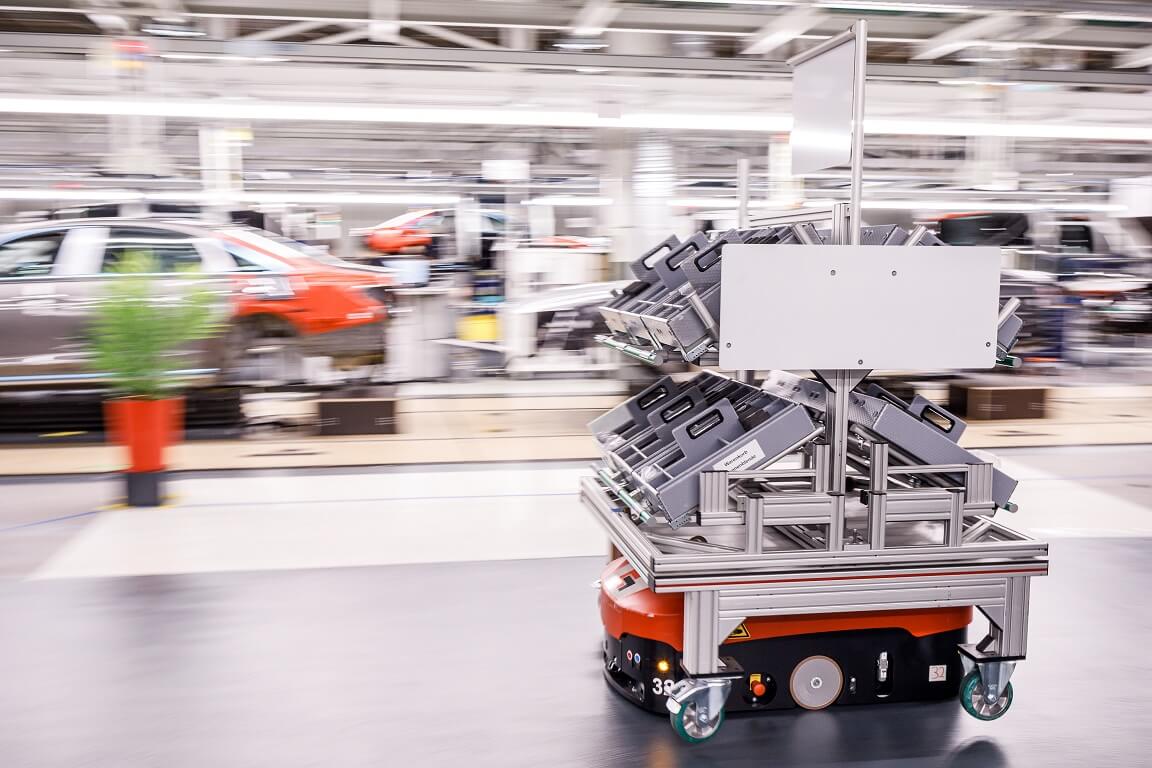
822,110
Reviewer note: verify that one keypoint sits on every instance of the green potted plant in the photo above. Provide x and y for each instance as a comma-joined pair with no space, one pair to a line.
135,330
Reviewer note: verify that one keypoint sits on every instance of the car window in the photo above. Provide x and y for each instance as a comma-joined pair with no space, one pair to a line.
405,219
31,255
431,221
279,246
249,260
171,251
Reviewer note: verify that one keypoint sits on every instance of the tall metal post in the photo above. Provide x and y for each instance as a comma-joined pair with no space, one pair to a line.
860,29
841,382
743,221
743,192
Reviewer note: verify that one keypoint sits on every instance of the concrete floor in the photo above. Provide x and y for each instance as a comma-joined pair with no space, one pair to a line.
497,664
392,618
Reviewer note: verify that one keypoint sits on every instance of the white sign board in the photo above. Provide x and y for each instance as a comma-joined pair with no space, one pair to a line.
864,306
822,110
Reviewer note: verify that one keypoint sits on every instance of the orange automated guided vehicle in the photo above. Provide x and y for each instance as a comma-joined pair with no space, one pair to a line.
857,657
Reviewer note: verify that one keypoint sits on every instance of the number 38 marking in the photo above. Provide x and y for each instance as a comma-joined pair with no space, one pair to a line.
662,687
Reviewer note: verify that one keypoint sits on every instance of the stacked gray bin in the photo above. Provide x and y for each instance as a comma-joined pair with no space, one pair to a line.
919,432
660,440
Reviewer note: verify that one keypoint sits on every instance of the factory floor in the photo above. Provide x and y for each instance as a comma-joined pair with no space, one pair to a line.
444,616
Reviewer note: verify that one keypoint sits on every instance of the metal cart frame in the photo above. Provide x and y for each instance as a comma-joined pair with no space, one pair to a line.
811,528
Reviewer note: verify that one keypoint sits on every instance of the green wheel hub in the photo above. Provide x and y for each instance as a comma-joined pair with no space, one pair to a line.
976,704
690,728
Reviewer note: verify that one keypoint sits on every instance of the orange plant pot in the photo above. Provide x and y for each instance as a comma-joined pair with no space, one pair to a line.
145,428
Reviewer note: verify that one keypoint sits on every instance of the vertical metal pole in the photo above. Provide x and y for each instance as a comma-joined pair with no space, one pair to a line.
701,634
861,30
743,192
743,221
754,525
878,495
955,517
713,496
836,433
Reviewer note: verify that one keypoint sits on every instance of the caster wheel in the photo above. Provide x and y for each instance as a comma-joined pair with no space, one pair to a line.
976,704
691,726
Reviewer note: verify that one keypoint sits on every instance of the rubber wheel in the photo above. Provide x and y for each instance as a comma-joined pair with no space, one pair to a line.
972,698
686,726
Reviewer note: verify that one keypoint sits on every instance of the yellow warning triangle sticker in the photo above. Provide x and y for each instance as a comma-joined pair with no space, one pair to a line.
740,633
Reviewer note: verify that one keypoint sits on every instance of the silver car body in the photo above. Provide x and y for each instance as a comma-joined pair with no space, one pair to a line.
53,272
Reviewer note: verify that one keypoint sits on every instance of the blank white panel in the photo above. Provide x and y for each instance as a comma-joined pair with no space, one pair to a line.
866,306
822,110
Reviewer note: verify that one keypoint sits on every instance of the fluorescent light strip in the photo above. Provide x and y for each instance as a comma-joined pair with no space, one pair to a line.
255,198
908,7
1089,16
986,205
569,201
106,195
725,203
223,109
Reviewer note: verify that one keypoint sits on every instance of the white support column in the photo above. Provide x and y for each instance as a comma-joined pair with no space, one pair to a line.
135,142
637,43
783,187
385,24
594,17
617,219
701,632
221,166
989,163
518,38
654,181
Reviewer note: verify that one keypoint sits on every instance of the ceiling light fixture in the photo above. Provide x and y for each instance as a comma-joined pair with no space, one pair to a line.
899,7
943,206
578,43
241,109
569,201
1089,16
171,27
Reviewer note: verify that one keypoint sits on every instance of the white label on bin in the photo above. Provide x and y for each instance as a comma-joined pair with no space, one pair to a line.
937,673
743,457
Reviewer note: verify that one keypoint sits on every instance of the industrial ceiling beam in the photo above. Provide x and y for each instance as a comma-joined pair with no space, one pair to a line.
965,35
285,30
411,41
1141,57
452,36
782,29
338,38
376,55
